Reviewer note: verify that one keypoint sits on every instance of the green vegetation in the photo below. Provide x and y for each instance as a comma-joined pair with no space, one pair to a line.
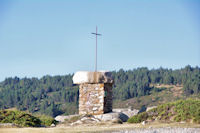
136,82
57,95
19,118
138,118
46,120
182,110
168,94
49,95
24,119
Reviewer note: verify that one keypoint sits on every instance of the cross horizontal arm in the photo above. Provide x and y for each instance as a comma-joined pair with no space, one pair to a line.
96,34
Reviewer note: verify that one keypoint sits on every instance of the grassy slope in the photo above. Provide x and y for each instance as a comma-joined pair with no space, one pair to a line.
181,110
167,93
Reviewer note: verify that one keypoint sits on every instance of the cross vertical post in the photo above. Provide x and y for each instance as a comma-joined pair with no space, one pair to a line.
96,52
96,49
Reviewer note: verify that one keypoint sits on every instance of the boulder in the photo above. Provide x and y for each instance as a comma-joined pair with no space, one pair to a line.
78,122
131,113
53,125
62,118
117,121
114,117
127,111
143,123
120,109
111,116
82,77
149,108
86,120
8,125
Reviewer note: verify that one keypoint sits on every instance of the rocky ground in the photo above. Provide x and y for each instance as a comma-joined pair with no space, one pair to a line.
111,128
161,130
114,122
116,116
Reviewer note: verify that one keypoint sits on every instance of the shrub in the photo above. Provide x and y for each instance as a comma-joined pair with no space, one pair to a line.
138,118
182,110
25,119
19,118
47,120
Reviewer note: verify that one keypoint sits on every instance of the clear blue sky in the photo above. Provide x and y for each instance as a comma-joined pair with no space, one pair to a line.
41,37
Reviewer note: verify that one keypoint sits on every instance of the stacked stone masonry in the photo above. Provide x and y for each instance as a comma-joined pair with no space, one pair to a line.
95,99
95,92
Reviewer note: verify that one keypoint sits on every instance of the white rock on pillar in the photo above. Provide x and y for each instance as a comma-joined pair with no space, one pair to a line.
81,77
92,89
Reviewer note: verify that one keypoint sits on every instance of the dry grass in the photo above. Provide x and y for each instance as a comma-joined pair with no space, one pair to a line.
95,128
175,89
171,93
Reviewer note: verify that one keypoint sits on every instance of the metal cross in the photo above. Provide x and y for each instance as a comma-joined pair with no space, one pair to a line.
96,48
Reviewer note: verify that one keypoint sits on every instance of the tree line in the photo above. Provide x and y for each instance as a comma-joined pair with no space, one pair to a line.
54,95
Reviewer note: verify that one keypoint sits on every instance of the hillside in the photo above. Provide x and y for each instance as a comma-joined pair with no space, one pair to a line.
159,95
141,87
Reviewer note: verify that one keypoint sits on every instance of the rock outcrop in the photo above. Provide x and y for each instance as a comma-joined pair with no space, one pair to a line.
149,108
8,125
62,118
119,116
127,111
112,116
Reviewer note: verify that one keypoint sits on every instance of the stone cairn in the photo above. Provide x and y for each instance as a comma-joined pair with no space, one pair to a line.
95,92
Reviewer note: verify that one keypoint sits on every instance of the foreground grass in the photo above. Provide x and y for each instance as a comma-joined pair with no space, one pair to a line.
97,128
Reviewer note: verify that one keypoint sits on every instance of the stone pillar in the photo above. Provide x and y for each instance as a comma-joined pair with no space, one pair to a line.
95,92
